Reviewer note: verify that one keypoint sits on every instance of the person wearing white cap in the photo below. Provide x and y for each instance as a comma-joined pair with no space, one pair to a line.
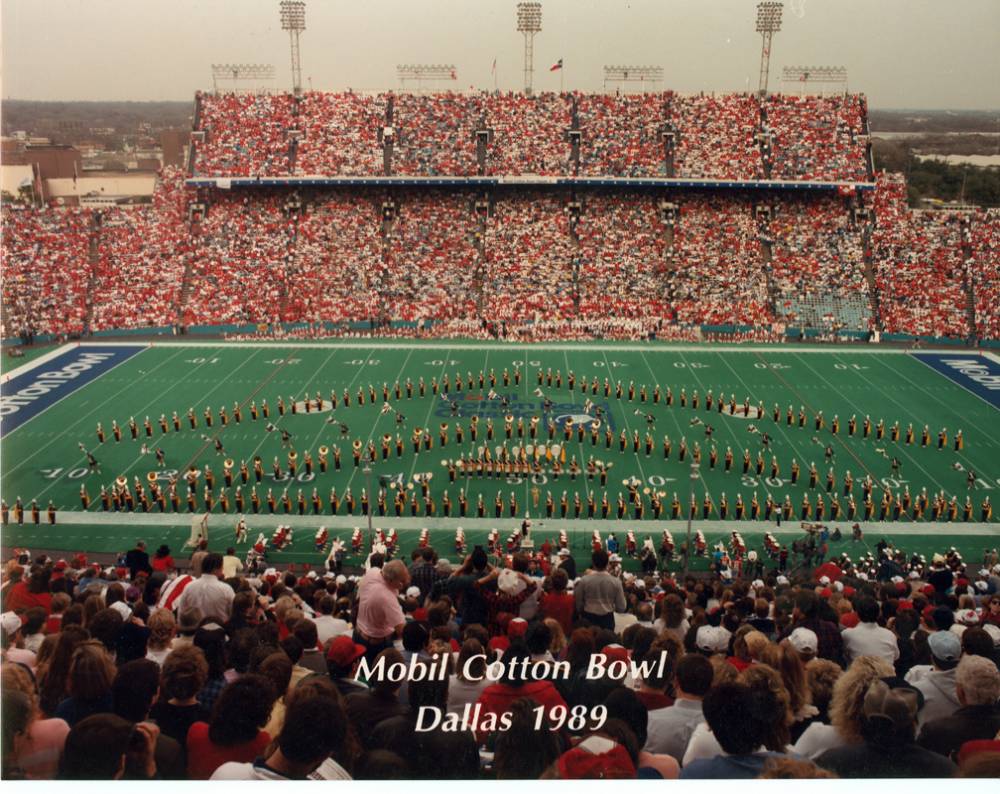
938,686
868,638
805,642
13,641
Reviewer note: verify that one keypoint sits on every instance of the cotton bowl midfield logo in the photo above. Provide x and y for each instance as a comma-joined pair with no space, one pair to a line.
578,419
471,404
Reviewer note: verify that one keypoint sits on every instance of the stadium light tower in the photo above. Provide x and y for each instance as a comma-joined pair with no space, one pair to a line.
293,19
768,23
529,22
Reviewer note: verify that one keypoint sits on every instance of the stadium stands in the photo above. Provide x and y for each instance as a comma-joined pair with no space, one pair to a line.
519,261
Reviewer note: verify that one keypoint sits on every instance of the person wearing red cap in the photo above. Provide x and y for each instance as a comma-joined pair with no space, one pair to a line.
596,757
342,659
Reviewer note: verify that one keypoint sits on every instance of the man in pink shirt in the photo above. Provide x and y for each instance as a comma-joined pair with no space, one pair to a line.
380,616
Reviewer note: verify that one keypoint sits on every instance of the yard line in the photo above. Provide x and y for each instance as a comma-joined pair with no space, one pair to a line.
781,429
372,501
89,414
277,420
902,448
625,417
142,410
908,412
430,410
673,415
583,454
943,404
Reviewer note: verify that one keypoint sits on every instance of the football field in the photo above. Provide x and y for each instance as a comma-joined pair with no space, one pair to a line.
52,406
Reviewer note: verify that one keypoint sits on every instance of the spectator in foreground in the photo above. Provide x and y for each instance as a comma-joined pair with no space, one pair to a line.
102,746
315,728
740,718
977,685
183,675
888,727
234,734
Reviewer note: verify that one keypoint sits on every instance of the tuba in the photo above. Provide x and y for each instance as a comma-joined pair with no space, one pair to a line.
151,477
357,444
122,481
324,451
228,463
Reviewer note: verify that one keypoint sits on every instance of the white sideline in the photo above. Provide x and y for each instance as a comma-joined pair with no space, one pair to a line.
223,522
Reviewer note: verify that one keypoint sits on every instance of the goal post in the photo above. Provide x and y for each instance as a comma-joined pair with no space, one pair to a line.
199,530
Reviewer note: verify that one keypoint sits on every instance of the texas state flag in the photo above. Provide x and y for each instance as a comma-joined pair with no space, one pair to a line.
556,66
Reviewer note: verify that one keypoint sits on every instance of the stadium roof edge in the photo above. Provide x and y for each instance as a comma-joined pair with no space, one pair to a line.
227,183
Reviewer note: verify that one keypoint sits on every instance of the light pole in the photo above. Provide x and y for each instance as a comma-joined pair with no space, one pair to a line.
687,556
529,22
768,23
293,19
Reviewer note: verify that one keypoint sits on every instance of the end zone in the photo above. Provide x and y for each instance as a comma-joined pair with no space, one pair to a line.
37,387
973,372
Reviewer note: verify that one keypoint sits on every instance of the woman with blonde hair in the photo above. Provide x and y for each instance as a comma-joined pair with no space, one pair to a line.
38,747
558,643
845,708
91,674
162,629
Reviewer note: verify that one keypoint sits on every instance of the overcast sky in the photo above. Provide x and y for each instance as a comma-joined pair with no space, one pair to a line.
901,53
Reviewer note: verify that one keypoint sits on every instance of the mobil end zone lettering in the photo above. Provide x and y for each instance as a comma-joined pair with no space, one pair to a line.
978,374
27,395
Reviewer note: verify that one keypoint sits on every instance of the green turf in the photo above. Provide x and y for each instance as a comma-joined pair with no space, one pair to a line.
31,352
41,459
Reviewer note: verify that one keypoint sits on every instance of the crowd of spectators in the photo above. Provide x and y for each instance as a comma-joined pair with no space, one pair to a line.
984,271
128,672
919,266
815,251
621,257
445,262
431,264
435,134
717,274
141,256
46,270
529,133
715,136
240,261
622,135
815,137
718,136
529,259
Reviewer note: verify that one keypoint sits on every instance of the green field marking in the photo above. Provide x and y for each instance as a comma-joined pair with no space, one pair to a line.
40,456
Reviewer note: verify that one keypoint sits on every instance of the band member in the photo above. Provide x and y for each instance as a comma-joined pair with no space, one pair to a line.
208,416
160,458
148,426
164,427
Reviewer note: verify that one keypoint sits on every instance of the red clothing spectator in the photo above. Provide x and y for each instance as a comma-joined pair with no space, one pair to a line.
205,756
497,698
559,606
